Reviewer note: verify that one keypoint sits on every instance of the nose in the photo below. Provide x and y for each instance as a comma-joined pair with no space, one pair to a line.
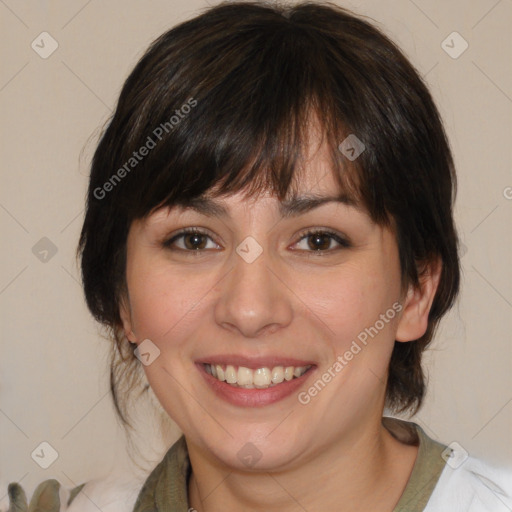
254,300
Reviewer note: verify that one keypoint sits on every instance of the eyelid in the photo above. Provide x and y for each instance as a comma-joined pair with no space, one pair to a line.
169,240
342,241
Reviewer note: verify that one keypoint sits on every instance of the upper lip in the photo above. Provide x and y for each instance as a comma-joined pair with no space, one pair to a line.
254,362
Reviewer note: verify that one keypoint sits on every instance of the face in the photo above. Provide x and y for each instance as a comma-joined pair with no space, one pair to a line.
298,309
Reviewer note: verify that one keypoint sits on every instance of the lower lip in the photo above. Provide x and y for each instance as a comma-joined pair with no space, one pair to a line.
254,397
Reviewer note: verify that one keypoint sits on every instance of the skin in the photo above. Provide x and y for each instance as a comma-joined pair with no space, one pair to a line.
290,301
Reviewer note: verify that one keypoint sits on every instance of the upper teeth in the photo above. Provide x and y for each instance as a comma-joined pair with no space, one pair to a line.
260,378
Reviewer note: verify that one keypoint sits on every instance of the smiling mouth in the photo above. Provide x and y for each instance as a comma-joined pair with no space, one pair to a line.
260,378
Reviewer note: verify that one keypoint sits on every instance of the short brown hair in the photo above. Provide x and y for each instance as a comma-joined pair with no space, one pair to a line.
254,74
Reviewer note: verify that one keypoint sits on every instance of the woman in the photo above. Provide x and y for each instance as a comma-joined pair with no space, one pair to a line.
269,236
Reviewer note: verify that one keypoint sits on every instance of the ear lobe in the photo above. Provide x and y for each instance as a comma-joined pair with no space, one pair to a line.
126,318
414,320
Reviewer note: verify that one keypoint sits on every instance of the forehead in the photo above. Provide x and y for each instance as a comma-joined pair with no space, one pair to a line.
319,176
309,190
313,187
315,180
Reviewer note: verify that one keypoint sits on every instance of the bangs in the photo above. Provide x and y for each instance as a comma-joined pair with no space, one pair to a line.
251,126
235,158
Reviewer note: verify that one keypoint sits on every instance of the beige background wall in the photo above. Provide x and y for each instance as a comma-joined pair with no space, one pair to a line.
53,383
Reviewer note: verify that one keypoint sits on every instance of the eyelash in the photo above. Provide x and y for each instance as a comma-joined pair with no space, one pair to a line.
343,243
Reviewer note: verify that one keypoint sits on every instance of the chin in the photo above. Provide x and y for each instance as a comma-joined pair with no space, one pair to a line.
248,450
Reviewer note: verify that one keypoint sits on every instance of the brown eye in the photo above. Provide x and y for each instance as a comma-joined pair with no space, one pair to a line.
321,241
190,240
194,241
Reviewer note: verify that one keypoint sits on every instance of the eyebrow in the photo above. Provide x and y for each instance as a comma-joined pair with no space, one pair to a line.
288,208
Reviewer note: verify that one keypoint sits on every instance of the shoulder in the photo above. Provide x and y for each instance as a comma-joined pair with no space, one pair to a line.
470,484
447,479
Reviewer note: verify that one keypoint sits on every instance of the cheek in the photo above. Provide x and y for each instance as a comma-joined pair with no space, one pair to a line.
350,303
162,302
166,309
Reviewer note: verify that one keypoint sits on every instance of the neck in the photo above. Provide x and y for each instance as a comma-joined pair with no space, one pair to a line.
365,470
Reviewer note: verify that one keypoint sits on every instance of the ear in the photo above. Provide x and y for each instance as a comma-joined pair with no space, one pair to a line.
126,318
414,320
